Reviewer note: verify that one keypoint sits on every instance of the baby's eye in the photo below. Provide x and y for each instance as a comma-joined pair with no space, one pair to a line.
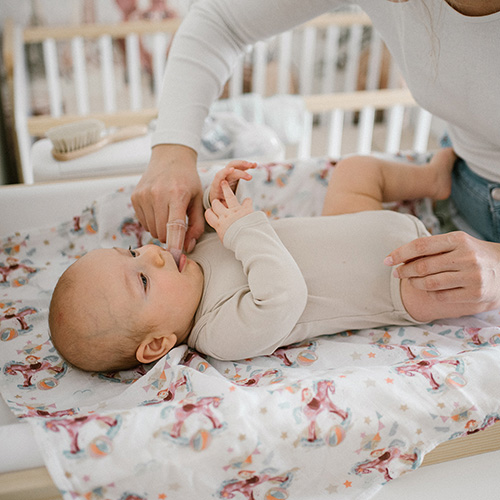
132,252
144,280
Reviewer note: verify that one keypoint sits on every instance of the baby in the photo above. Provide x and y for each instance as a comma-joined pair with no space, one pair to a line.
256,284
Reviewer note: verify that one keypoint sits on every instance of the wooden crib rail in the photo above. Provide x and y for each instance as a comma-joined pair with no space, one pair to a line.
33,34
161,33
334,107
317,103
396,102
305,60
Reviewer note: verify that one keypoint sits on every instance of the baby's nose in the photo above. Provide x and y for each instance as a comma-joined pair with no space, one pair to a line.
154,255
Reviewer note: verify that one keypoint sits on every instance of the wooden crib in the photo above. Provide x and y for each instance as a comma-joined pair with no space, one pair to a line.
113,73
353,82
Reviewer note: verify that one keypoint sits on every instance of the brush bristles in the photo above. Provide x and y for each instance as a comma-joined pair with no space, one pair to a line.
76,135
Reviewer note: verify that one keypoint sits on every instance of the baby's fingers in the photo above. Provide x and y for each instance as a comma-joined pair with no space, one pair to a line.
229,196
222,174
211,218
237,175
241,164
247,203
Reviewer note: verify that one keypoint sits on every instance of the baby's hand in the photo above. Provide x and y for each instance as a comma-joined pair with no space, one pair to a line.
232,173
224,213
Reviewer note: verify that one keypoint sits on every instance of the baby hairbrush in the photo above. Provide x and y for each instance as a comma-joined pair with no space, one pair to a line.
80,138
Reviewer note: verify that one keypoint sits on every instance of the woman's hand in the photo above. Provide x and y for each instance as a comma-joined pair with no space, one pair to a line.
454,267
232,173
224,213
168,190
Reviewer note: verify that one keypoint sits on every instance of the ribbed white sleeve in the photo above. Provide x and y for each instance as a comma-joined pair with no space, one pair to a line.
205,50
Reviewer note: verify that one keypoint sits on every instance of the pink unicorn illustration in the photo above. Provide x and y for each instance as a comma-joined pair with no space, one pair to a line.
383,459
249,481
424,367
202,406
33,366
74,426
255,378
168,394
13,264
19,316
319,403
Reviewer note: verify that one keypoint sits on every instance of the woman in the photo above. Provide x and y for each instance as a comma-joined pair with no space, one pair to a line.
447,51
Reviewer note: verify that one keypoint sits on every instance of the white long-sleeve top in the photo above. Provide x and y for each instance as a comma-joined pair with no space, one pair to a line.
450,62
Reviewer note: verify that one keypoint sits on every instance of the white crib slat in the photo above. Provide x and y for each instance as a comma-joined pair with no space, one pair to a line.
374,62
396,113
367,115
352,67
306,73
160,44
259,68
80,75
353,49
394,129
21,109
52,74
284,61
422,130
335,131
236,81
134,70
107,73
330,59
304,147
365,132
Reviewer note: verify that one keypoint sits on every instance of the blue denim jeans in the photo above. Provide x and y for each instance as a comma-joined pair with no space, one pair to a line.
474,199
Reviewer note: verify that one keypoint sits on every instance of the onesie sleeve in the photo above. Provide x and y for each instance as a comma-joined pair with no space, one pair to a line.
206,197
204,52
259,317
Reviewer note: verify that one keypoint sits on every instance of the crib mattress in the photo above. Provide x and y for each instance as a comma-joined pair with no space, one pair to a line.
458,402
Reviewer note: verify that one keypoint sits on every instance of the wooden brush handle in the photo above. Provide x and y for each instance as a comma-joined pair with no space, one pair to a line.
125,133
120,135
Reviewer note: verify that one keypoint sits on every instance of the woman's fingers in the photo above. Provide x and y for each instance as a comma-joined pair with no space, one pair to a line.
428,266
454,267
421,247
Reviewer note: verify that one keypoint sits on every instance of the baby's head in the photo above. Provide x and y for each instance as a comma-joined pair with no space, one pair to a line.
115,308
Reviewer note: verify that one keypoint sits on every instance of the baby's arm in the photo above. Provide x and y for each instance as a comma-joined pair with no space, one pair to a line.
256,317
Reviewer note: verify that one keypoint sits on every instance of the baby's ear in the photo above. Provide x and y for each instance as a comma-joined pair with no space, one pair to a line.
153,349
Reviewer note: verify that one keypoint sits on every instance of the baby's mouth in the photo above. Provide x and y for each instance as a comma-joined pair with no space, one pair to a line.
176,254
182,262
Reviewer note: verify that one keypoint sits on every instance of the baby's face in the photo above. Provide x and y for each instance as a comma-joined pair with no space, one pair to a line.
144,284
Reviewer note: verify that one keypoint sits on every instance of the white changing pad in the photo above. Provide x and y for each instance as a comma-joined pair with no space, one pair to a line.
127,157
340,414
19,448
225,135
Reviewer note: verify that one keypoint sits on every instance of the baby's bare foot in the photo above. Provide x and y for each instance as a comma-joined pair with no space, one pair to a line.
442,163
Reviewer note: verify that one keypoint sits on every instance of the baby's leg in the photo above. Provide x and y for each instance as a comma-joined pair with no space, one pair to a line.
361,183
